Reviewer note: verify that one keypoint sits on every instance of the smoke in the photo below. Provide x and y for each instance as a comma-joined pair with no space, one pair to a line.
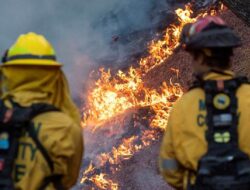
84,33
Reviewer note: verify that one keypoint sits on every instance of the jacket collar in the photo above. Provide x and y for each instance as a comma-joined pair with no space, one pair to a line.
215,75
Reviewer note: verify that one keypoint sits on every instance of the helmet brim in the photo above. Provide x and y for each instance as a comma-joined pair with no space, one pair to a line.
32,62
224,38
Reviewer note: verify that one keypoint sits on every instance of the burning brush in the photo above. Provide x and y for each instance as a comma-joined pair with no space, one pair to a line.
113,96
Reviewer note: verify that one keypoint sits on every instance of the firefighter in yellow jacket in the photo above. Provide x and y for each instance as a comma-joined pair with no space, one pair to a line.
206,143
31,75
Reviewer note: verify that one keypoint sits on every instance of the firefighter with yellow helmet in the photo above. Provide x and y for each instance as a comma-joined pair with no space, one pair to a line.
206,143
43,124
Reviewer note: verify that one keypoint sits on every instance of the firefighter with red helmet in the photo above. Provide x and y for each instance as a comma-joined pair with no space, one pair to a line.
206,143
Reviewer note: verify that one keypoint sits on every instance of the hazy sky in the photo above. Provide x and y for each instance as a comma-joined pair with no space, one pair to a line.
80,30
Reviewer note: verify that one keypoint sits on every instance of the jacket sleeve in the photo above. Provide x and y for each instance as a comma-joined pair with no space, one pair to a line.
170,168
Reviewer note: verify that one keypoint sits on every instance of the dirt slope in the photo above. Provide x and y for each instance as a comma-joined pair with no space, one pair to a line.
241,8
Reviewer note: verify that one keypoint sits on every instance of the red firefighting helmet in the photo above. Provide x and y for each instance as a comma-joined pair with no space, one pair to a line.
208,32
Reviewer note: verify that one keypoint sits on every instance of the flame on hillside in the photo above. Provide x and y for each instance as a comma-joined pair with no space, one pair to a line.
113,95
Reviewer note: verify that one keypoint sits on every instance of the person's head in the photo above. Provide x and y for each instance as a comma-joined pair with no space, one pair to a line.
31,74
211,42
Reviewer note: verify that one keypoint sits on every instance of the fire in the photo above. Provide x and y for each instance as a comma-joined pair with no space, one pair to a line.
160,50
113,95
124,152
99,180
103,183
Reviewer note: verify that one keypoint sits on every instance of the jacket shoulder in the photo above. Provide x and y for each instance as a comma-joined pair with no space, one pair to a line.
245,86
54,118
190,96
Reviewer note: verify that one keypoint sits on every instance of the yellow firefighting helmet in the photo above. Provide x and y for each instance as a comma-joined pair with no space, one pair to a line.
31,49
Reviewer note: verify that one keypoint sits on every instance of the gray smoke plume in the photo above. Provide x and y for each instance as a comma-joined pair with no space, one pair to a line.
83,32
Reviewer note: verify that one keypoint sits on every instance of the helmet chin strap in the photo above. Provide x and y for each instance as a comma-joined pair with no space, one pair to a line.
220,72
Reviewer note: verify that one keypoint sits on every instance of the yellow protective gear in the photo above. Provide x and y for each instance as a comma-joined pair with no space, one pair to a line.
31,49
59,132
184,141
62,139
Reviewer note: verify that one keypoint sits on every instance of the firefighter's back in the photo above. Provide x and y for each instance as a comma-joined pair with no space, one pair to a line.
61,138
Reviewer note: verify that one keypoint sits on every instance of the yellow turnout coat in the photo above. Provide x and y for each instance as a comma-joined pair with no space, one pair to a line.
59,132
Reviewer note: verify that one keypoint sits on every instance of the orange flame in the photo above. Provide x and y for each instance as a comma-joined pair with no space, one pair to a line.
99,180
104,183
113,95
